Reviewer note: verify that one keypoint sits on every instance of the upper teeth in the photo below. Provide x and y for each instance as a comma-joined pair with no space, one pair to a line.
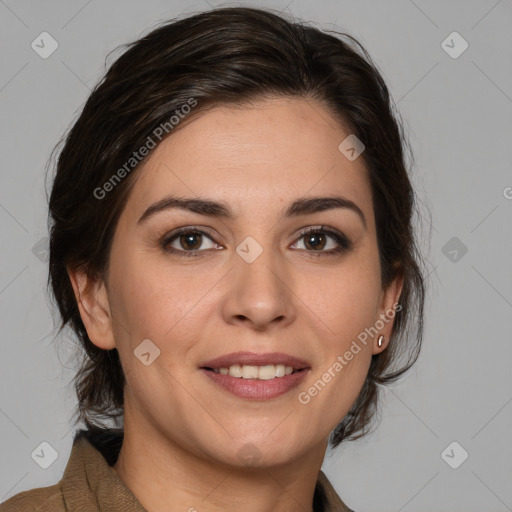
267,372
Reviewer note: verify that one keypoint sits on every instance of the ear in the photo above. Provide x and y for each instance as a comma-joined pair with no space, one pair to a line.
92,299
388,307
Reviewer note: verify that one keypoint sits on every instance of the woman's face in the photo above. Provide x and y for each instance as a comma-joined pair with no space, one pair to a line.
245,282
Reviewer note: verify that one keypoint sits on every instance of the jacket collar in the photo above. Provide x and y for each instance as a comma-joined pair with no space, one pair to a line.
89,482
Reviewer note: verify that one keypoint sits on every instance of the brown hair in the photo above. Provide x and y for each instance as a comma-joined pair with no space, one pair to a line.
227,56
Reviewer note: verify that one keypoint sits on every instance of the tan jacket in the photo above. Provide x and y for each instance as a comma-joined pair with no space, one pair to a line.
90,484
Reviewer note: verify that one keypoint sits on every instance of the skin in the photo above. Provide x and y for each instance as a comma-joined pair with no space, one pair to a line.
182,432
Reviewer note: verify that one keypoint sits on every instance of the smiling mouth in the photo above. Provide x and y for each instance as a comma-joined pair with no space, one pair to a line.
251,382
264,372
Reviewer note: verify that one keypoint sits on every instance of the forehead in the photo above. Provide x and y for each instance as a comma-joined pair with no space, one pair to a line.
254,158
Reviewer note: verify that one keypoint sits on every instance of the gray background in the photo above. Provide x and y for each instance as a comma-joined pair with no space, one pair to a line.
458,115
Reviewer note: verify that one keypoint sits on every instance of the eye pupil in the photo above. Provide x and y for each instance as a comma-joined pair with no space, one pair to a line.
316,243
189,237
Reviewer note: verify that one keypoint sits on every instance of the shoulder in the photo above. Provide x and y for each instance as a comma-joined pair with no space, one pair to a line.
41,499
87,477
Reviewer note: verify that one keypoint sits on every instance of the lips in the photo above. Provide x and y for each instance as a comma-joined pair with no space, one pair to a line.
255,389
254,376
253,359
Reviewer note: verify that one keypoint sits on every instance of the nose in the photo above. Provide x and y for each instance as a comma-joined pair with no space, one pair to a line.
260,293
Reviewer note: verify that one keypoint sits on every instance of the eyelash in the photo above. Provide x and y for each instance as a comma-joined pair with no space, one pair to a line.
344,243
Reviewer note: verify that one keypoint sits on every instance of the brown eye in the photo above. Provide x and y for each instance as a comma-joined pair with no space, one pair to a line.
316,240
187,242
191,241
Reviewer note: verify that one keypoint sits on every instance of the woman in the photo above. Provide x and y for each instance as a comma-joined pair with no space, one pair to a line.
231,242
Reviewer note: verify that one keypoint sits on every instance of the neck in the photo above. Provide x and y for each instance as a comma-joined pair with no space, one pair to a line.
159,472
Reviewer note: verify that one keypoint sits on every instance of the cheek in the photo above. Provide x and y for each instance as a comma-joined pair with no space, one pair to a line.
344,301
345,307
149,306
164,305
149,299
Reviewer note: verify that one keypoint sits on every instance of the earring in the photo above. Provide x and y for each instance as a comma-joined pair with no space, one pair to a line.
381,341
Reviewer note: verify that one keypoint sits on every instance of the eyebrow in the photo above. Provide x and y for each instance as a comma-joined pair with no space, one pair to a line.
209,207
